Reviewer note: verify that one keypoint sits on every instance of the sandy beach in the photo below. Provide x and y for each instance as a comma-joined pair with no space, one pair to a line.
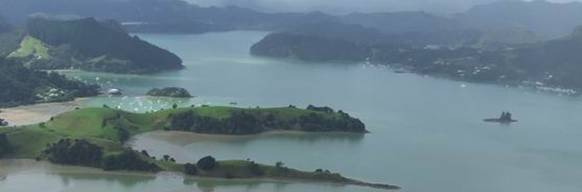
37,113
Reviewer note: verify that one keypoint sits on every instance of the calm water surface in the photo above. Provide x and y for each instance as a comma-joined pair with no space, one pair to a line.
427,134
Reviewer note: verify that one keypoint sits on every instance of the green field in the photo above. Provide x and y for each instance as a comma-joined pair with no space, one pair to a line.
31,46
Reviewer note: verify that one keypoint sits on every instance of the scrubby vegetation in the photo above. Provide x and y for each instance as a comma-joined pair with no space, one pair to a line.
169,92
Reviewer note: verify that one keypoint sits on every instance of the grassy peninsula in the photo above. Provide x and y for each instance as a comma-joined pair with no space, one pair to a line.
95,137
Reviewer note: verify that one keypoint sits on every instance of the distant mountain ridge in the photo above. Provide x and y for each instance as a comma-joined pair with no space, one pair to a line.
555,63
548,19
176,16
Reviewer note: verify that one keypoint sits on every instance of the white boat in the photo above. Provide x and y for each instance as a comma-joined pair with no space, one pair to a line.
114,92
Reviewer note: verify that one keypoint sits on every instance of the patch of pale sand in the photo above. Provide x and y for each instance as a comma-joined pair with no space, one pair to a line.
37,113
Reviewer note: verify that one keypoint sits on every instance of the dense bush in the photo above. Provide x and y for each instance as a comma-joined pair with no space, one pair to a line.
241,122
129,160
5,146
3,122
100,46
320,109
190,169
74,152
19,85
207,163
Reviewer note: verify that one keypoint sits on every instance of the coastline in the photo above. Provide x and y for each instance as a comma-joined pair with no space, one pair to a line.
37,113
18,165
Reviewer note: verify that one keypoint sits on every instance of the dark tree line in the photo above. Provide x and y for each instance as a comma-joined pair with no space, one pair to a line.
207,163
129,160
74,152
242,122
5,146
82,152
3,122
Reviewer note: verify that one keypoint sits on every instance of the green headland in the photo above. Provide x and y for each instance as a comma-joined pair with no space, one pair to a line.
95,137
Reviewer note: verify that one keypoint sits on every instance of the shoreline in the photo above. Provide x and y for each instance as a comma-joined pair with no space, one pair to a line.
37,113
19,165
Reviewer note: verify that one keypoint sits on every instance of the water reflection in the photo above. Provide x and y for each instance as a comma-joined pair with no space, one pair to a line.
32,176
122,180
189,147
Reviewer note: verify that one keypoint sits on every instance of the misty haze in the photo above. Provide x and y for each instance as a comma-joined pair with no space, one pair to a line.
290,95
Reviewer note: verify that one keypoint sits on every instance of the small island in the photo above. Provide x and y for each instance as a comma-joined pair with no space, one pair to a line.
98,140
506,117
169,92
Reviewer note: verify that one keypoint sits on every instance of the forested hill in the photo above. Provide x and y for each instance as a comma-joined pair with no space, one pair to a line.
91,45
19,85
553,63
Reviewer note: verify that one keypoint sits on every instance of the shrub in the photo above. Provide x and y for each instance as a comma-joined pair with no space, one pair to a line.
207,163
74,152
190,169
128,160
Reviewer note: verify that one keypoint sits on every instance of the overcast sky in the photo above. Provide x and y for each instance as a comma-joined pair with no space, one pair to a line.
346,6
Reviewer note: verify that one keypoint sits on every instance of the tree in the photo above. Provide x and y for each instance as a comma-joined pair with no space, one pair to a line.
5,146
190,169
166,157
128,160
256,169
3,122
145,153
175,106
279,164
74,152
207,163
